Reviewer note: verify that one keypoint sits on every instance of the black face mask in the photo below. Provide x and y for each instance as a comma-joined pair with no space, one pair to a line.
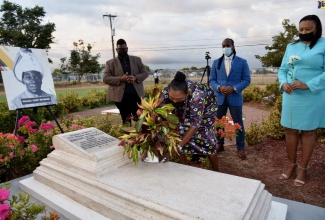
306,37
122,53
178,105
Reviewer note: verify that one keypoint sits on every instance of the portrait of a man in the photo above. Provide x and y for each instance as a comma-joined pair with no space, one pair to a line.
28,71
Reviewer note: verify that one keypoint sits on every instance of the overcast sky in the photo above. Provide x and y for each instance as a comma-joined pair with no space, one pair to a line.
171,33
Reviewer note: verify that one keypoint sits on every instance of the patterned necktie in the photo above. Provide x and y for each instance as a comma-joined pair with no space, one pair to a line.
227,65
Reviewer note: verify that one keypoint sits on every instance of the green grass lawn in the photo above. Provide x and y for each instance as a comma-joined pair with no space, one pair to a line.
80,91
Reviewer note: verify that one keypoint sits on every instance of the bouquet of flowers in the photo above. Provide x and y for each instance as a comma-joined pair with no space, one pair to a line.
226,128
292,61
155,132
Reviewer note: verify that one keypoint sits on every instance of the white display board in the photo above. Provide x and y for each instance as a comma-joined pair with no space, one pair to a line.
27,77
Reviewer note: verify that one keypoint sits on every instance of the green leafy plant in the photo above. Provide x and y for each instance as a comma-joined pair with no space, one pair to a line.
71,102
271,126
94,99
254,134
272,92
20,207
253,93
155,133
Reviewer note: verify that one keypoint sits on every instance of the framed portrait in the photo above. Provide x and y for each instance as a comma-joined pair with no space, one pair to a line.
26,77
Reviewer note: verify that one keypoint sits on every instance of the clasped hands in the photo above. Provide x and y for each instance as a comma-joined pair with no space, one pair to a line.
288,88
128,78
226,90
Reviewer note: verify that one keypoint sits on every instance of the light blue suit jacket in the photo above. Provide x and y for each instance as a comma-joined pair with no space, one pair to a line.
239,77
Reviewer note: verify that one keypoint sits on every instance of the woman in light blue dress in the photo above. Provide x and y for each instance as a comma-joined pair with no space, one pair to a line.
302,80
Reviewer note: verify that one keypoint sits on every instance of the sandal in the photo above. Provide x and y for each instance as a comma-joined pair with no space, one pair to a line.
300,183
284,176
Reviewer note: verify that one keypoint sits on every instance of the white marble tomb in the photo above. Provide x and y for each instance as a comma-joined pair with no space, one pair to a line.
86,177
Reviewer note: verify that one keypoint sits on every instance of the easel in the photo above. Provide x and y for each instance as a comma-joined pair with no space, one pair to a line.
16,130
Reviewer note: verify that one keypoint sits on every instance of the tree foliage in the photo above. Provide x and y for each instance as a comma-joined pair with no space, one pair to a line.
23,27
81,61
273,57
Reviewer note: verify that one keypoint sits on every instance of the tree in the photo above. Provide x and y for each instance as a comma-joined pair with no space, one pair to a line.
147,69
273,58
22,27
81,61
193,68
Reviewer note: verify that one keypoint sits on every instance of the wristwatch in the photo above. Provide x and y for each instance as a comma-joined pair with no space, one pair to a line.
179,147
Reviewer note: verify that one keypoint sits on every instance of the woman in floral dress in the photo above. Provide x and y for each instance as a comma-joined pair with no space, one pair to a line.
196,107
302,80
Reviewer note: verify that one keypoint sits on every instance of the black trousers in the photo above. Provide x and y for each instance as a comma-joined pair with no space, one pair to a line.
128,106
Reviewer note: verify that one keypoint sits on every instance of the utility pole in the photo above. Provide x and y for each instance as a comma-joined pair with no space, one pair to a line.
112,31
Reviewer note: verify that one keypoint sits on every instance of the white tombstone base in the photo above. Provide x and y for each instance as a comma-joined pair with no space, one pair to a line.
101,180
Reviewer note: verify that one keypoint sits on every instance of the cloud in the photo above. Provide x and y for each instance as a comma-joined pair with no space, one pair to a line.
171,33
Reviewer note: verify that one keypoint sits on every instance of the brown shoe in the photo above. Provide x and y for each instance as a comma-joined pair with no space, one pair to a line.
220,148
241,154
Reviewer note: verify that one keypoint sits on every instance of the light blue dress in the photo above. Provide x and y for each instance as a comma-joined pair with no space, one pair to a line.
304,109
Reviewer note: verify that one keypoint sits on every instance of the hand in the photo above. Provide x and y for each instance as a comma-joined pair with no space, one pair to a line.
131,79
298,85
287,88
124,77
226,90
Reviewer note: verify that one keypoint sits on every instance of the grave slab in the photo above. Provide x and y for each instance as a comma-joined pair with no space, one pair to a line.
87,167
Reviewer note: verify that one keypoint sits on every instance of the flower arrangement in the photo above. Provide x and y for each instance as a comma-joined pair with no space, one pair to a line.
292,61
226,128
155,132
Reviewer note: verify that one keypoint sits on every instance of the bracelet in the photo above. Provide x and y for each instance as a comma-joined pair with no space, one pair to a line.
179,147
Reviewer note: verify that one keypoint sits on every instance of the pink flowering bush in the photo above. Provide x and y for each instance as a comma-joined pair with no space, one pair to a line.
33,143
20,207
12,148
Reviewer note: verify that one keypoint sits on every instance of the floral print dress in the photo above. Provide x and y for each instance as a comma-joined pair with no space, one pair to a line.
199,111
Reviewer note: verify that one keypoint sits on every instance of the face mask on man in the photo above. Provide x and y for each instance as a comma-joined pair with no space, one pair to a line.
306,37
122,53
227,51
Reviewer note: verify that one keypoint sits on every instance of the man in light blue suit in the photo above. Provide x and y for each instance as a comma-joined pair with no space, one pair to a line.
229,76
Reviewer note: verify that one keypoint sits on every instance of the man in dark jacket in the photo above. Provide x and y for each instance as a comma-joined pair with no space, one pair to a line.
124,76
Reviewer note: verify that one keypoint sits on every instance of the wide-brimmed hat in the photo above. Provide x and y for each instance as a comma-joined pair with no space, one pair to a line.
26,61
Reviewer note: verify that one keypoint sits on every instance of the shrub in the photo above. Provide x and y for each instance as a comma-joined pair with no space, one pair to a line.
71,102
272,92
254,134
7,118
20,207
271,126
102,123
253,93
94,99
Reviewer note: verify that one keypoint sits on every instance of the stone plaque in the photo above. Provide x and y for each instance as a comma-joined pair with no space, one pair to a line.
89,138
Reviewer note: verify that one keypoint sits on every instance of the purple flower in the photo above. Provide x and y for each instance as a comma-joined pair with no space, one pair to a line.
46,126
4,210
4,194
30,124
22,120
22,139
